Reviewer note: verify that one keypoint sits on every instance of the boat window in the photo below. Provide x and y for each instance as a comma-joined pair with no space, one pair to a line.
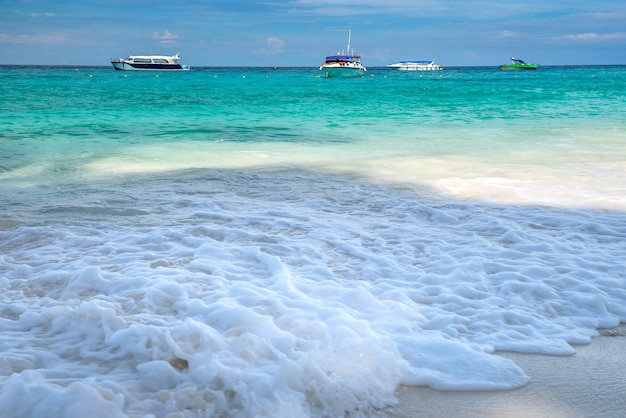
160,60
141,60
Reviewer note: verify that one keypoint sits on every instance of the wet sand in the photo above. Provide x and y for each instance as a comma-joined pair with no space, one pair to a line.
591,383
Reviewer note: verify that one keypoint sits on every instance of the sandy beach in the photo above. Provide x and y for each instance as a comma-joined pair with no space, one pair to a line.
591,383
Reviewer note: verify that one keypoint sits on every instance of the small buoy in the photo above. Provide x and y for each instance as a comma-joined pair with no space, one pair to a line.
243,76
157,76
90,75
125,75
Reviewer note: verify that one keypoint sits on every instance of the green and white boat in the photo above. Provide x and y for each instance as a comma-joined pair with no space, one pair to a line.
517,64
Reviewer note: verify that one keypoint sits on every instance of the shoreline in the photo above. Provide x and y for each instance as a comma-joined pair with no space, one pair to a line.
590,383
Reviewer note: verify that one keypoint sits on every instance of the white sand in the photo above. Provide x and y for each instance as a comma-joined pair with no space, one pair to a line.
591,383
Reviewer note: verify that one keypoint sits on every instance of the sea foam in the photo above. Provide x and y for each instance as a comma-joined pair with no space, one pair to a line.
288,293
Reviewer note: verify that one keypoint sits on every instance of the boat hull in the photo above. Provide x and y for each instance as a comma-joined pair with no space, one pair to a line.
415,66
343,71
514,67
126,66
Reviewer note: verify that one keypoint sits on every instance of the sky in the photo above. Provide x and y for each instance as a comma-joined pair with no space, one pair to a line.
212,33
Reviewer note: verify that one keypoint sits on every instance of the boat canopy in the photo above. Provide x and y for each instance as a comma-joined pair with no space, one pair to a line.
342,58
415,61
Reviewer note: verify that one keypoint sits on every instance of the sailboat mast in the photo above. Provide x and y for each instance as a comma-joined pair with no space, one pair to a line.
349,36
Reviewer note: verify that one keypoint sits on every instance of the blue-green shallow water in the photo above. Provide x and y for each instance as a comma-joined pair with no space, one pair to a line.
266,242
64,117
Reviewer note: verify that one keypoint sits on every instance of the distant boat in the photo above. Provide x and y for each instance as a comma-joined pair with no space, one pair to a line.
343,65
149,63
416,65
516,64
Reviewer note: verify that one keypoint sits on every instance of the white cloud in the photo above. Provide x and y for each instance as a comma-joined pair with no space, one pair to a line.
47,14
505,34
166,38
273,46
596,37
54,38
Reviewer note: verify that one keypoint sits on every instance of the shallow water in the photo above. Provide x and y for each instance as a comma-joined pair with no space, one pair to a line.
266,241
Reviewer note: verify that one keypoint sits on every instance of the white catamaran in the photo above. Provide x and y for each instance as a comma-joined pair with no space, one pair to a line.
416,65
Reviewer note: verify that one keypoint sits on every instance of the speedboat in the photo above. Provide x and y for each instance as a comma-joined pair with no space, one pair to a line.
343,65
149,63
416,65
519,65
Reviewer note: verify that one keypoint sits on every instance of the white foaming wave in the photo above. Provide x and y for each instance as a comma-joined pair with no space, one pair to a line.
291,294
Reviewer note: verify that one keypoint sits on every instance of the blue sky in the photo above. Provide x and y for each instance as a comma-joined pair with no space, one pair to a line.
301,32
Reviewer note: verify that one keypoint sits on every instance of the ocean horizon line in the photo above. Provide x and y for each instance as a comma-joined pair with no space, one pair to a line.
495,66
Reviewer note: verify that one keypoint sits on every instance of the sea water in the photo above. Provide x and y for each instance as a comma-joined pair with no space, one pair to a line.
268,242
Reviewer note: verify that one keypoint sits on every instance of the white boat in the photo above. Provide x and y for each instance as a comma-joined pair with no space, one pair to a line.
416,65
149,63
343,65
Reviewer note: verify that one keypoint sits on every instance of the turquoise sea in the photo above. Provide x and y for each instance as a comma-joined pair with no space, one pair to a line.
268,242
